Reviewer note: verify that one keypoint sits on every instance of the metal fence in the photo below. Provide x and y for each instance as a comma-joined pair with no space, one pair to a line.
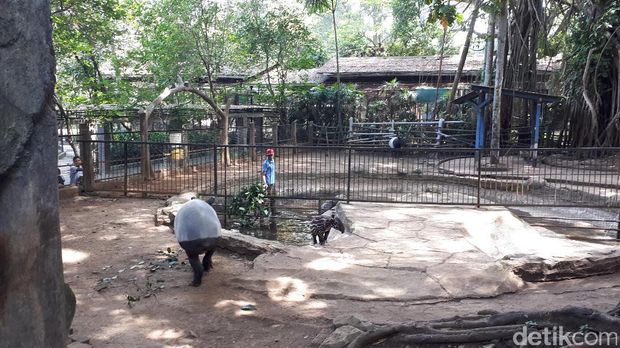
585,177
568,188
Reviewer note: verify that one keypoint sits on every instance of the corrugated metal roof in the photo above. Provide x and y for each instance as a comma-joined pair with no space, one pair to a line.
412,66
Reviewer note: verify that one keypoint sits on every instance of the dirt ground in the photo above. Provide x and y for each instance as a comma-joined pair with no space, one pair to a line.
112,251
105,238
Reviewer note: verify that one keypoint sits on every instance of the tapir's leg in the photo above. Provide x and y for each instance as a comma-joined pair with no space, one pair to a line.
325,236
207,263
194,260
314,238
322,238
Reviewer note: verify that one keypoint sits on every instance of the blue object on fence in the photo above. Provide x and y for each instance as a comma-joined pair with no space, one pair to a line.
428,95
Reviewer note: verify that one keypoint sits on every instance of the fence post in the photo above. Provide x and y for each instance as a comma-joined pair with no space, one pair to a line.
324,127
252,141
479,164
294,136
215,169
107,146
274,130
125,184
350,125
618,230
311,132
349,178
88,179
439,128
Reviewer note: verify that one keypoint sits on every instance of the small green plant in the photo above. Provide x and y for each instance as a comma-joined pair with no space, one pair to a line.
250,205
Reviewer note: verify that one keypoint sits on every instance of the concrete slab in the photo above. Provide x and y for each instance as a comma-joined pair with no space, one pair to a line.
421,254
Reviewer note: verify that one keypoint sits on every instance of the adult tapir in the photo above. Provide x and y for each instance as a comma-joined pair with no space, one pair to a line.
198,229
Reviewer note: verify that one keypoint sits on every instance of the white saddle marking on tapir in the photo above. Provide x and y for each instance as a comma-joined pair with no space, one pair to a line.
196,220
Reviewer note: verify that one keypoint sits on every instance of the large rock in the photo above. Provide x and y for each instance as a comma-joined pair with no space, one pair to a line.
32,297
247,246
341,337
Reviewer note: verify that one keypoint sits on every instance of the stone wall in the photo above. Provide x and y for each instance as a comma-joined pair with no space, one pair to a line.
31,280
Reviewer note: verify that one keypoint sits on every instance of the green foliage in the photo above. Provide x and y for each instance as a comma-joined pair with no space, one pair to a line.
411,34
320,6
190,38
279,39
87,36
317,104
443,12
391,103
250,204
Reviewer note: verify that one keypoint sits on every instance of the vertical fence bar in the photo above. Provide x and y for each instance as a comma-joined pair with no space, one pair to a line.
225,194
618,230
214,169
294,136
349,178
126,179
479,157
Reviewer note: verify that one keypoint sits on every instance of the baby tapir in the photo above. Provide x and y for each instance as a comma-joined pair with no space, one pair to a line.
198,229
321,225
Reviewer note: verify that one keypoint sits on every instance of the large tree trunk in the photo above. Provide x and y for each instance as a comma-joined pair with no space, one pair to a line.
32,290
464,53
338,109
488,50
499,81
521,69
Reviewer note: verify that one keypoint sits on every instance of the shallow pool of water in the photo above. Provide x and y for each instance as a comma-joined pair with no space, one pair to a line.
290,228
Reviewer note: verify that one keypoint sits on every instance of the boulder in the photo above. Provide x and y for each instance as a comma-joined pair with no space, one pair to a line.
247,246
180,199
341,337
354,321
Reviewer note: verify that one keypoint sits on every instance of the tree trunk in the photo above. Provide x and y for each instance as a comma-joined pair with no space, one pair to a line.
443,44
224,132
459,71
488,50
499,81
338,111
147,170
65,118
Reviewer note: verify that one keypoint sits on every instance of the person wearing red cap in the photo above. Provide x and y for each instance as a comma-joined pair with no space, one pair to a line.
269,171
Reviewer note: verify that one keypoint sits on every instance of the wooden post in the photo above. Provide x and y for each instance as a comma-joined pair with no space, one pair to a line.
275,134
294,136
252,141
225,121
326,136
311,133
88,179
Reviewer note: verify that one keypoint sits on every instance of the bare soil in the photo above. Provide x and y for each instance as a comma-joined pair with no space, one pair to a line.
105,238
111,251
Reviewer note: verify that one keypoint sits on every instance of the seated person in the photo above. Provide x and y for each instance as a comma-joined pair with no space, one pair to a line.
76,172
61,180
